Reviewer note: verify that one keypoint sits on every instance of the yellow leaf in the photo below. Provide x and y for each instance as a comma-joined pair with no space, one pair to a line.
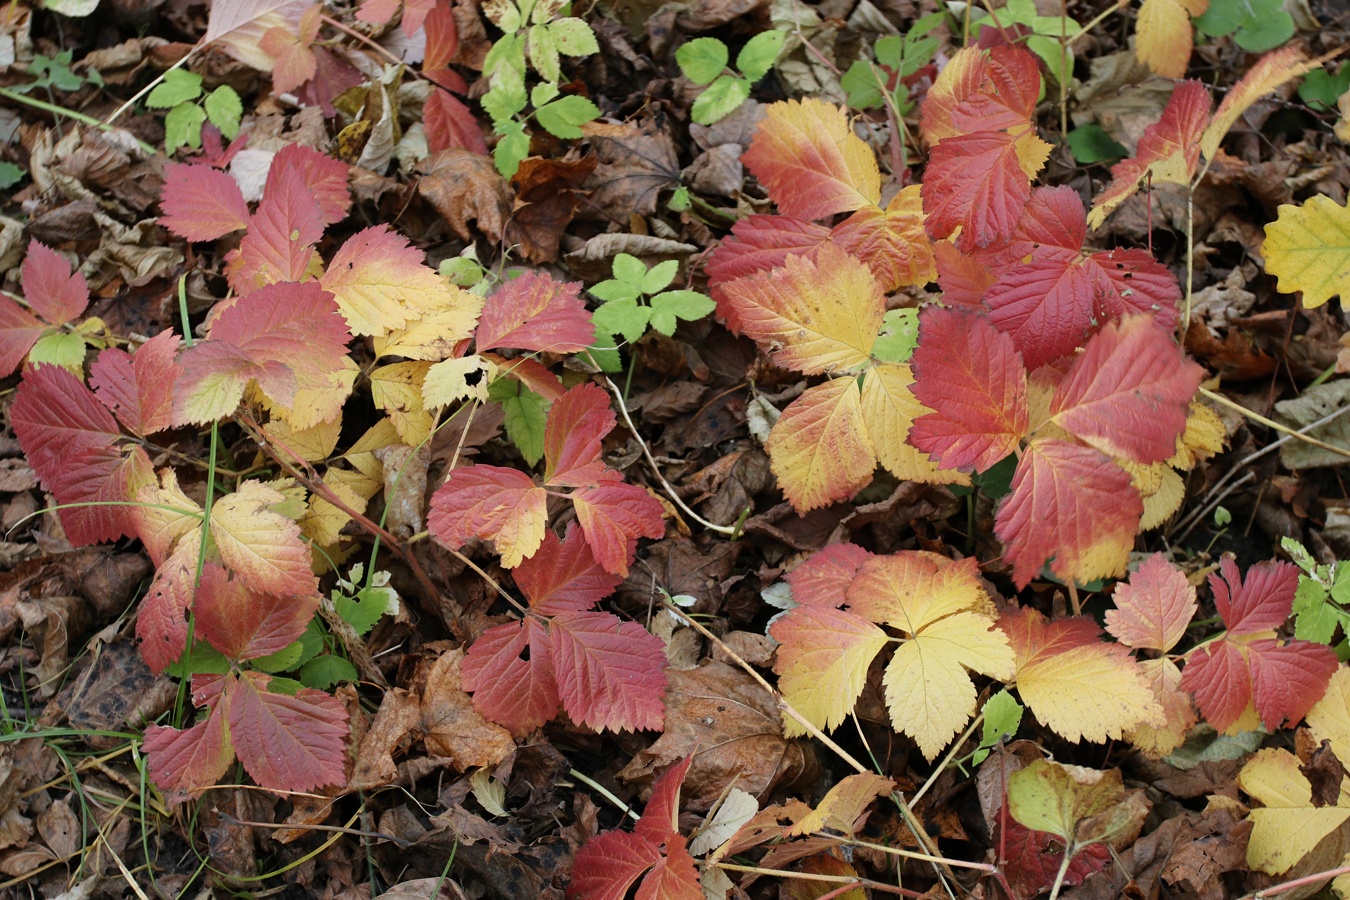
310,444
314,404
819,450
262,546
889,409
822,663
1162,36
453,380
912,589
1204,436
323,521
1271,71
1330,718
1163,502
435,335
397,389
843,805
1032,153
1308,249
166,514
381,283
1288,827
1179,713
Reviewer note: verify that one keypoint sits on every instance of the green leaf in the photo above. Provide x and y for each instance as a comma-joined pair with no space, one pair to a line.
720,100
1002,718
506,55
224,109
605,353
1299,555
614,289
898,337
1321,89
574,37
1268,27
183,127
688,305
323,672
461,270
512,148
1315,619
58,348
505,15
10,175
1057,59
504,100
622,317
679,199
203,660
660,276
1340,585
283,660
524,413
543,92
1222,18
178,86
367,607
564,117
759,54
702,59
544,53
890,51
1091,144
630,271
861,88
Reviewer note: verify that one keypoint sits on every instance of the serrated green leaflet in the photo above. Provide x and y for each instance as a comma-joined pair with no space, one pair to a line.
178,86
720,100
702,59
225,110
564,117
524,413
759,54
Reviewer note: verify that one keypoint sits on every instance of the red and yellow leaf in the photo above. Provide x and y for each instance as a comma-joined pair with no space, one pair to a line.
262,546
139,389
822,663
288,743
1153,610
889,409
819,449
757,243
612,517
279,244
563,576
825,577
982,91
893,243
577,424
534,312
323,176
976,183
1178,711
243,624
611,674
381,282
493,503
161,620
1270,71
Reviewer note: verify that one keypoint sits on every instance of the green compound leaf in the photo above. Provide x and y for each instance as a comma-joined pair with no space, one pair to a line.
544,53
861,87
183,127
178,86
574,37
564,117
630,270
702,59
759,54
622,317
660,276
720,100
224,110
673,305
524,415
513,147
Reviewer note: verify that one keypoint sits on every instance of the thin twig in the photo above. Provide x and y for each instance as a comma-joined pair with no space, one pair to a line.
70,113
1271,423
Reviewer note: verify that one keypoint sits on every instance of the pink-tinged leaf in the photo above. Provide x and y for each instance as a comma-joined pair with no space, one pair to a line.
19,331
139,389
534,312
161,618
493,503
824,579
279,244
262,545
243,624
449,123
1219,678
563,576
377,12
57,418
288,743
577,423
979,91
675,877
381,282
1154,609
99,476
1289,679
215,375
812,164
442,38
611,674
325,177
1167,153
812,315
973,379
1261,602
964,278
292,51
823,661
201,203
661,816
54,292
509,671
819,450
191,759
1128,393
758,243
893,242
613,516
1071,504
975,182
414,14
607,865
238,26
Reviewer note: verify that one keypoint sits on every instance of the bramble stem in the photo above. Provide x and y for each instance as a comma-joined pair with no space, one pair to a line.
70,113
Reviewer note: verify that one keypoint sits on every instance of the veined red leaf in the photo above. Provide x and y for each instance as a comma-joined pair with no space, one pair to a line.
261,545
139,389
292,50
825,577
201,203
819,449
99,476
1261,602
493,503
674,877
50,287
660,818
449,123
973,379
1154,609
243,624
414,15
290,743
442,37
611,674
279,244
963,277
1168,151
1071,504
577,424
612,517
192,759
980,90
976,182
534,312
19,331
893,243
1288,679
1129,391
1218,676
1269,72
563,576
811,316
1137,283
1034,858
822,663
325,177
509,671
607,865
161,618
812,164
757,243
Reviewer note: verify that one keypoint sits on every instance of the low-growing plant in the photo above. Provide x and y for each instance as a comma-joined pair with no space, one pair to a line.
705,61
190,106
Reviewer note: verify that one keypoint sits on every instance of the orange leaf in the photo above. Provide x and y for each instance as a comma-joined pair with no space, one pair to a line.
819,450
893,243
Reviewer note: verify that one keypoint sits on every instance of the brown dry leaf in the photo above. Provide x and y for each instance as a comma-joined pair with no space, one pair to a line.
546,197
60,829
463,185
731,727
117,692
809,889
399,714
424,889
637,160
405,486
451,726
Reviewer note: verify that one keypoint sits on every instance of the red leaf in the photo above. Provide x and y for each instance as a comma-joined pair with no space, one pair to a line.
279,244
1288,680
1032,859
563,576
757,243
189,760
975,182
1261,602
161,619
325,177
1219,678
824,579
980,91
105,475
54,292
1154,609
534,312
449,123
414,13
661,817
608,864
19,331
494,503
1128,393
201,203
973,379
243,624
377,12
292,50
288,743
1072,504
613,516
964,278
442,40
611,674
675,877
139,389
1137,283
509,671
577,423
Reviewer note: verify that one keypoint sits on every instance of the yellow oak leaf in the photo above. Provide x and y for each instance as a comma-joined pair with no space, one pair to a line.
1287,828
1308,249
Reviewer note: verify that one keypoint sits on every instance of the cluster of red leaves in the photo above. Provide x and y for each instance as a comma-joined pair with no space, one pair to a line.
56,294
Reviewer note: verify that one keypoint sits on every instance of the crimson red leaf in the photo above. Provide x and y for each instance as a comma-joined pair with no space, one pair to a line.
494,503
161,619
824,579
509,671
1289,679
973,379
107,478
1219,678
1033,858
756,243
975,182
201,203
279,244
1155,608
288,743
534,312
449,123
577,423
660,817
1136,282
563,576
19,331
611,674
54,292
1261,602
613,516
442,38
608,864
189,760
139,389
323,176
982,91
243,624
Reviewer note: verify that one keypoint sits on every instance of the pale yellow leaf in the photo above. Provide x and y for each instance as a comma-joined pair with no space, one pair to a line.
1287,827
262,546
889,409
1162,37
452,380
1308,249
435,335
397,389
